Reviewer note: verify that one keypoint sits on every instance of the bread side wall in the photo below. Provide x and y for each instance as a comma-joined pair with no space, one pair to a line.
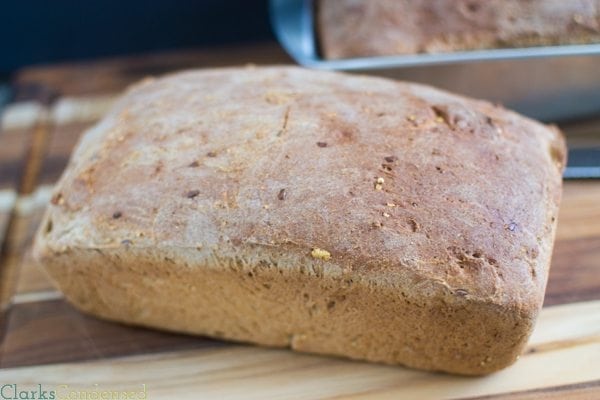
299,307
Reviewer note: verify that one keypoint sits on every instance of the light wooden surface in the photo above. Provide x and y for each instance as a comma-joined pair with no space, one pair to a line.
564,349
46,341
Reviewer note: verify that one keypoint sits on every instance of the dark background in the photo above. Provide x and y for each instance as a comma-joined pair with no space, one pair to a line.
43,31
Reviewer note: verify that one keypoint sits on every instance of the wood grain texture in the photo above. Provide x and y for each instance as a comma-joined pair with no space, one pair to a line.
16,124
12,152
113,75
71,336
23,164
567,338
580,391
32,277
574,272
580,210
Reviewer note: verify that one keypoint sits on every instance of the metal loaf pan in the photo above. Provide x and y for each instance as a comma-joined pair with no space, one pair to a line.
549,83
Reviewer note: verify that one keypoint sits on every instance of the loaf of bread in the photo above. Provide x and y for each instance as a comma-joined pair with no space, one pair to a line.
355,28
329,213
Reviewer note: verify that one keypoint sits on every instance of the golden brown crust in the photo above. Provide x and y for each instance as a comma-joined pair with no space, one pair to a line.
422,200
354,28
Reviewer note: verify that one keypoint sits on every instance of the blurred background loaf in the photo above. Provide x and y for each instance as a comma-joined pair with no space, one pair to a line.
353,28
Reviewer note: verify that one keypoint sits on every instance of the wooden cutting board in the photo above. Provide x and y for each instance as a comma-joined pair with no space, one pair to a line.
45,341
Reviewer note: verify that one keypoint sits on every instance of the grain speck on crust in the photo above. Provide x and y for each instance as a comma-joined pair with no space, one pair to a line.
58,199
278,98
320,254
282,194
192,193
